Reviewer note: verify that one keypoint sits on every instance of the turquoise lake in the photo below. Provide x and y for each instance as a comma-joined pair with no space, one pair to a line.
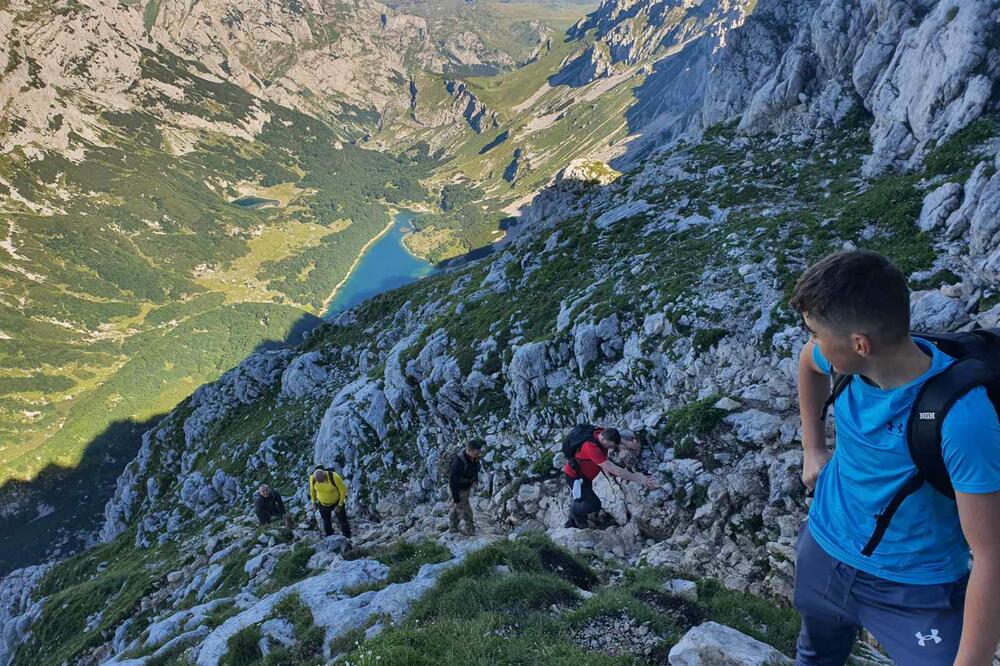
386,265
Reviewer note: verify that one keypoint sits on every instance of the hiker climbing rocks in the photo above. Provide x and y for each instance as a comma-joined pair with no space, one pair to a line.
463,475
329,495
268,505
586,450
913,481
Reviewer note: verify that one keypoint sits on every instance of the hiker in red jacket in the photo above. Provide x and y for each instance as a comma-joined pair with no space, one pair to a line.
586,449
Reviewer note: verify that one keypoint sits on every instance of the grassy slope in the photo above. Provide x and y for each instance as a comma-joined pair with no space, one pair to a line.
477,615
156,283
474,615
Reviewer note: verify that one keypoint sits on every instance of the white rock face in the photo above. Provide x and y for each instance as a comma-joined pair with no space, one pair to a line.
932,311
922,78
304,376
17,610
930,89
712,644
313,591
527,371
938,205
630,209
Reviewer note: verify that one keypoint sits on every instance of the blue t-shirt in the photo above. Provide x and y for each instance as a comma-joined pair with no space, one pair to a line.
924,544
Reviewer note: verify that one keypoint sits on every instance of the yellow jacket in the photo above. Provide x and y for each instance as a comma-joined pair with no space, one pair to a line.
328,493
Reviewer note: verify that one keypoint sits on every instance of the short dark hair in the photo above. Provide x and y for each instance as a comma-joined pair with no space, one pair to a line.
476,443
856,291
612,435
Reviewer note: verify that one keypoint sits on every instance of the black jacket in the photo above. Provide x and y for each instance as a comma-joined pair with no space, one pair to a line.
464,472
268,508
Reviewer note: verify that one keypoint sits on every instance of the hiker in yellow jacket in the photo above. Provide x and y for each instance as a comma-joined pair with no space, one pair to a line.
329,493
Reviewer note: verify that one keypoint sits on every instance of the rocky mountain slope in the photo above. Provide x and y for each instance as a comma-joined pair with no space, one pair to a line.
129,129
652,299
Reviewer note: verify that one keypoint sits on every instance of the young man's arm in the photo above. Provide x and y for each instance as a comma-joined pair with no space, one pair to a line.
613,469
814,389
981,631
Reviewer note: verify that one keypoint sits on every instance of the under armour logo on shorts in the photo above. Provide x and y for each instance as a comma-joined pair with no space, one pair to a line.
933,636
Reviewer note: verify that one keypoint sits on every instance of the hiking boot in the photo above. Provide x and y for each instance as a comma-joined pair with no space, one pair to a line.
571,523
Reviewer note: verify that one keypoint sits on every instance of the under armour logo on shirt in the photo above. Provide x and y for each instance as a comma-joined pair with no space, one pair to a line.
933,636
896,427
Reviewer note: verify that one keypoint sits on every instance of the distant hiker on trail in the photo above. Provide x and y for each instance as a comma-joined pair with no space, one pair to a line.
463,475
913,482
329,494
268,505
586,450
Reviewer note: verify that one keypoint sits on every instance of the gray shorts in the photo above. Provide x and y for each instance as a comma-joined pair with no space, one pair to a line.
918,625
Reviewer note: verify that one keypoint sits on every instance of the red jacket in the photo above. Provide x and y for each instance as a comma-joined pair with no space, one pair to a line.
589,458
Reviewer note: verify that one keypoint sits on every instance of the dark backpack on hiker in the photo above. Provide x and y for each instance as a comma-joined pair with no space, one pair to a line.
977,355
581,433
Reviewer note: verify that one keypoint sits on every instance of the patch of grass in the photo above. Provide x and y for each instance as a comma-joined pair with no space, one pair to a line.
220,614
706,338
957,155
764,619
690,423
308,648
543,466
243,648
291,567
99,589
150,14
477,640
404,560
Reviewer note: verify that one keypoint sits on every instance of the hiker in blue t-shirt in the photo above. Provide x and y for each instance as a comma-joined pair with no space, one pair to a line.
913,592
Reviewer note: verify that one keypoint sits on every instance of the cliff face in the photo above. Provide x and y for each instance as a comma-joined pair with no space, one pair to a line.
68,62
654,301
922,70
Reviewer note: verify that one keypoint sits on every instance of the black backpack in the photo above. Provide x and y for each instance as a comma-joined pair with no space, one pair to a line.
978,364
581,432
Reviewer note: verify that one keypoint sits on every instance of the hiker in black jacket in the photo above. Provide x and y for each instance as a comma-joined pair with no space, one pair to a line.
463,475
268,505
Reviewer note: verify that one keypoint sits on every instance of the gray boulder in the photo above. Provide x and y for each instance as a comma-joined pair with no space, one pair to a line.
933,311
304,376
713,644
938,205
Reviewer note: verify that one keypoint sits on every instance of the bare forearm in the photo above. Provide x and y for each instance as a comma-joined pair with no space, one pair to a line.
621,472
981,630
814,389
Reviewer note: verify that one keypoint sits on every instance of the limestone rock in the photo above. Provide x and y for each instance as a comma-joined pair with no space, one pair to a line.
938,205
712,644
932,311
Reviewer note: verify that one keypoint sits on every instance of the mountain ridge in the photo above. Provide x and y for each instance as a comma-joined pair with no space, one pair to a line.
653,298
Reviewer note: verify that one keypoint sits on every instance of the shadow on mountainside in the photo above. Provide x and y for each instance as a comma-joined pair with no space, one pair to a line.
60,510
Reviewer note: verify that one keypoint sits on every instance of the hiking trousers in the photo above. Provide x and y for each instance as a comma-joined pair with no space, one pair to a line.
327,511
461,511
588,502
918,625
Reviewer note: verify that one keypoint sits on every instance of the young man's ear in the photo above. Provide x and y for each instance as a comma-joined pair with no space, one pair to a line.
861,344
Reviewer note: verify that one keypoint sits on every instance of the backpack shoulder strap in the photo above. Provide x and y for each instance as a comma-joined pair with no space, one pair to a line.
840,383
936,397
923,436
